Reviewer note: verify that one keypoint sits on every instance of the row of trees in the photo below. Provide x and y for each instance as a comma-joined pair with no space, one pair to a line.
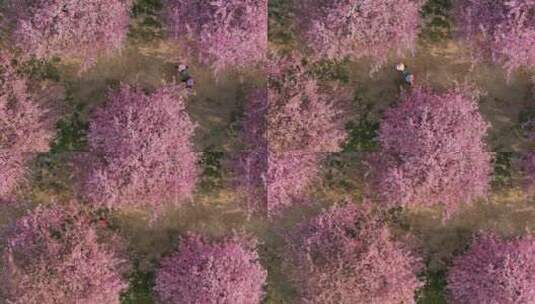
44,29
233,33
502,31
433,150
432,145
141,150
220,34
346,254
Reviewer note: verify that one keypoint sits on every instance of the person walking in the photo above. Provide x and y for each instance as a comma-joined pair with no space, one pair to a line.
185,77
406,75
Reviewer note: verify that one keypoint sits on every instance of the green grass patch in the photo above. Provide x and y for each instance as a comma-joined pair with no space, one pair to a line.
139,288
212,176
362,136
71,133
433,291
438,24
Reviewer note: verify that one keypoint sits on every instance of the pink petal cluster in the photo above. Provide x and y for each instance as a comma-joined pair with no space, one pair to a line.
304,119
287,131
335,29
501,30
433,151
288,176
347,255
78,29
145,142
494,270
226,271
53,256
220,33
12,170
25,127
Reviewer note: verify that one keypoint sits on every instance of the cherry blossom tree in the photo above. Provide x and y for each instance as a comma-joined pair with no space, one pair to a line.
335,29
226,271
145,142
433,151
25,127
52,255
77,29
287,130
222,33
494,270
503,31
347,255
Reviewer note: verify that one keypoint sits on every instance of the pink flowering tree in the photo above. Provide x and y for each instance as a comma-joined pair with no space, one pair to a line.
227,271
25,127
77,29
494,270
220,33
52,255
287,130
433,151
145,143
503,31
335,29
347,255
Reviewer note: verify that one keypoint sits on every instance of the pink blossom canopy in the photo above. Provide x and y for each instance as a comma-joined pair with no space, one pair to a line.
335,29
222,33
145,142
494,271
72,28
346,255
205,272
53,256
433,150
501,30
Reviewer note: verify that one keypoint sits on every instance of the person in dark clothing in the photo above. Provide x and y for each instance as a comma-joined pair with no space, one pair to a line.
406,76
185,77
